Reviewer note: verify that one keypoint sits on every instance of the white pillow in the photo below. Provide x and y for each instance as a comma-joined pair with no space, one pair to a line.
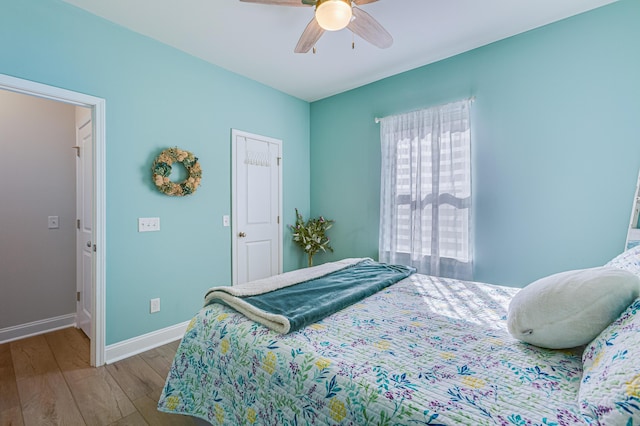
571,308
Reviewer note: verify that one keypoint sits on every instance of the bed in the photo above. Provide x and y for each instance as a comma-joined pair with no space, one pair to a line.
423,351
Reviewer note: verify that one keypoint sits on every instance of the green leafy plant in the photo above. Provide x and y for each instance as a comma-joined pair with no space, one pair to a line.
311,236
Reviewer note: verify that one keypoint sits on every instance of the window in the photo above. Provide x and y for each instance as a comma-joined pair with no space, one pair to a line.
425,204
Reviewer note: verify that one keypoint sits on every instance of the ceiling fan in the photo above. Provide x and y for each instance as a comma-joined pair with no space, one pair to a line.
333,15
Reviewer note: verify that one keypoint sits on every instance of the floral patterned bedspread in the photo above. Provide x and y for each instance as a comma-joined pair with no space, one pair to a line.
425,351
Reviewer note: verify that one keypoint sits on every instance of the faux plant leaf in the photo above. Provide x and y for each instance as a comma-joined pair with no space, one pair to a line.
311,235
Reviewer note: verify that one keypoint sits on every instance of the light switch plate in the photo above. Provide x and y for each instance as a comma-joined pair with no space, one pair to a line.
53,222
225,220
148,224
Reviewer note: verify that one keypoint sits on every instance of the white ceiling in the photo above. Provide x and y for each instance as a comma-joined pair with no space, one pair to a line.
257,40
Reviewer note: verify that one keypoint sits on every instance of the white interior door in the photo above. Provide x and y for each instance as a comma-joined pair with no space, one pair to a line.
84,243
257,205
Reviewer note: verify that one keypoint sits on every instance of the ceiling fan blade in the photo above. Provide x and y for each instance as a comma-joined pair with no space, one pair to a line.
278,2
361,2
369,29
309,37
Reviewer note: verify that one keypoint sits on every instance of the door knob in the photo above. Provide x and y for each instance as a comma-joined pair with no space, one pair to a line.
88,243
242,235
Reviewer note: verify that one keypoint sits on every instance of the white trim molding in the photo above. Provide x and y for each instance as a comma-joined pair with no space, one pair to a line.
98,106
34,328
139,344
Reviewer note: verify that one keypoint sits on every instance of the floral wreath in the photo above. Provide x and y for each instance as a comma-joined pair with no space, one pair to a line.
162,169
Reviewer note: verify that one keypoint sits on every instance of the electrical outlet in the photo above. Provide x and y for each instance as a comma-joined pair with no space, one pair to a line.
155,305
148,224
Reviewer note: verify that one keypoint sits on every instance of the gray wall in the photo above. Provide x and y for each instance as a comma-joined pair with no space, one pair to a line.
37,180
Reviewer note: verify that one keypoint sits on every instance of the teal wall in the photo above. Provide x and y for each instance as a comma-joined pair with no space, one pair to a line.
555,145
157,97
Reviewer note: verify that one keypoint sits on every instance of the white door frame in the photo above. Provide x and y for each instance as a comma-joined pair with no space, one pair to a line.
234,213
97,106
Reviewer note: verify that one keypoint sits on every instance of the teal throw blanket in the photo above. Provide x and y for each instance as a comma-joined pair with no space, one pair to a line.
310,301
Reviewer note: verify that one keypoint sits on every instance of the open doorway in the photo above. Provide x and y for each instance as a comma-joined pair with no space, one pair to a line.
94,217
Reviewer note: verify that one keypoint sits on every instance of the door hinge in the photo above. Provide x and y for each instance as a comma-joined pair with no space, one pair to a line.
77,148
77,296
78,223
279,158
278,220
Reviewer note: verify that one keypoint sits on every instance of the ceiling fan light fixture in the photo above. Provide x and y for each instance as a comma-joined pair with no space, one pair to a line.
333,15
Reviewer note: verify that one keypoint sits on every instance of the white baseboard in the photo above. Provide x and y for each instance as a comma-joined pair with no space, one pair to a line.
139,344
34,328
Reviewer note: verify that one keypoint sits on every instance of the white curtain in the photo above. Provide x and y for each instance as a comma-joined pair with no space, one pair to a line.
425,206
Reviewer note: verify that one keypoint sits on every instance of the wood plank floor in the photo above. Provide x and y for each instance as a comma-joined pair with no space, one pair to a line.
47,380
